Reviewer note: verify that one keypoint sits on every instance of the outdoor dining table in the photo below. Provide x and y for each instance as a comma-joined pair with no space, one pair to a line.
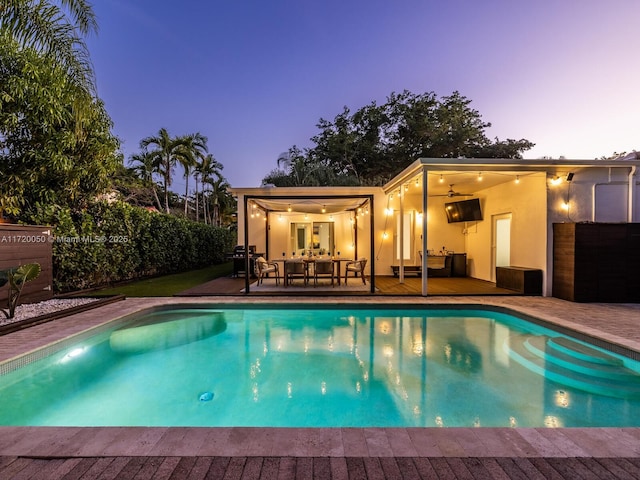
308,261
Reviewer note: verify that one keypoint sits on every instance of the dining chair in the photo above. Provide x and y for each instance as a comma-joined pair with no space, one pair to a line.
323,268
264,267
295,269
355,266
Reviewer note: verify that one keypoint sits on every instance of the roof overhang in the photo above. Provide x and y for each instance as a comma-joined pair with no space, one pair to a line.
444,166
308,199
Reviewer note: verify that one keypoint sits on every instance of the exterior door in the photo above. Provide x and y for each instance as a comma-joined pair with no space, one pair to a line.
501,242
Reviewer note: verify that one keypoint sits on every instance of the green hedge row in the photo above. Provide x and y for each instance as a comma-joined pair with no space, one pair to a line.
109,243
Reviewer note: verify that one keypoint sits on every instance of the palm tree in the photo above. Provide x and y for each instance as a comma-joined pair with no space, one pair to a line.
144,168
168,151
219,192
55,29
196,147
208,169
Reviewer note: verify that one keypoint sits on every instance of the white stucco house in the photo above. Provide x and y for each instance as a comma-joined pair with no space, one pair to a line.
391,226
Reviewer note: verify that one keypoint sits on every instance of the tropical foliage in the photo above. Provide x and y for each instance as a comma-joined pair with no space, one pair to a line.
376,142
113,242
55,30
56,144
48,152
16,277
159,156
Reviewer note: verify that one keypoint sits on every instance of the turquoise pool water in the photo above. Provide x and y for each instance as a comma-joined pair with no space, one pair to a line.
333,367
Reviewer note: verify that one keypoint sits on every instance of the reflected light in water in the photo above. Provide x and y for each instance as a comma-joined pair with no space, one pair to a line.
385,327
562,398
551,421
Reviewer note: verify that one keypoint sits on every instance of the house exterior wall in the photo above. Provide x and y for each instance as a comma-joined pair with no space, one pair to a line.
526,202
593,195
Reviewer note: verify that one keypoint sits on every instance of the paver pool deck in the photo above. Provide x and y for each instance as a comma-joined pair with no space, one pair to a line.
338,452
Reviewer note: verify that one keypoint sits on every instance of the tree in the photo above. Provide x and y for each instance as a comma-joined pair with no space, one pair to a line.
143,165
167,152
209,169
49,153
196,147
54,29
376,142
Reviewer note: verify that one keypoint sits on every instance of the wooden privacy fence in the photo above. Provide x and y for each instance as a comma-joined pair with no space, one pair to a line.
21,244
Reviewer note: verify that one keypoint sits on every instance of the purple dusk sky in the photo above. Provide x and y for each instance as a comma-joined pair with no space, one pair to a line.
256,76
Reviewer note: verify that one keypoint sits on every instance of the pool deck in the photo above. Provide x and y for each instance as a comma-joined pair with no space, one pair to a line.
124,452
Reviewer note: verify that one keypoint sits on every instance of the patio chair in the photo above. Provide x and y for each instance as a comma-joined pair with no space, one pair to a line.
355,266
264,268
323,268
295,269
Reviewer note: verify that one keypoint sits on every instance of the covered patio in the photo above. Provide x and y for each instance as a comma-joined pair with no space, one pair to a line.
442,217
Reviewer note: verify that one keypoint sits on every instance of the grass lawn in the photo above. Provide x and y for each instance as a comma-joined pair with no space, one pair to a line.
169,285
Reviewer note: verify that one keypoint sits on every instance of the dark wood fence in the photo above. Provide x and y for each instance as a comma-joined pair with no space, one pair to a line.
20,244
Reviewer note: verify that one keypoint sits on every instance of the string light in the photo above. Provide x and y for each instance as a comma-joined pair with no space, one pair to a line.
479,176
517,178
441,178
289,208
324,209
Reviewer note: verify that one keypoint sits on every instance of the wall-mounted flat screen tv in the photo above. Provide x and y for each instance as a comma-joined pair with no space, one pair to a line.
463,211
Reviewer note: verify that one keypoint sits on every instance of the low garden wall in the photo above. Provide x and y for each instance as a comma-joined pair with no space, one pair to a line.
19,245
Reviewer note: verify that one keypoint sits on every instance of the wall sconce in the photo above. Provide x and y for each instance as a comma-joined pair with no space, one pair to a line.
384,235
569,176
565,206
419,217
556,180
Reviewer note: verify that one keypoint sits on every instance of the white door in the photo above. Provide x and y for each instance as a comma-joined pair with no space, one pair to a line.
501,242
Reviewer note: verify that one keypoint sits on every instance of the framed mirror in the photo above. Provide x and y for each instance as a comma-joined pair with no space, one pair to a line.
317,237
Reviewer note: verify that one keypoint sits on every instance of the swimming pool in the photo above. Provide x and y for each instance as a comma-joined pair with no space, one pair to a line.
336,367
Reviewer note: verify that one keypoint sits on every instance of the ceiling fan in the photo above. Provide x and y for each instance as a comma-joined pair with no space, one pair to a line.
452,193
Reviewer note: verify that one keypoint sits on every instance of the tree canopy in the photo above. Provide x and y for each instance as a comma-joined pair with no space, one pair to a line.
376,142
48,152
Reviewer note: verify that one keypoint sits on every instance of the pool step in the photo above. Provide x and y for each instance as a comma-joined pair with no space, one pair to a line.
571,363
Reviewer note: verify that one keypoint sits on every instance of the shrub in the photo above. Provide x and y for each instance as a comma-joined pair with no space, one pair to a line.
109,243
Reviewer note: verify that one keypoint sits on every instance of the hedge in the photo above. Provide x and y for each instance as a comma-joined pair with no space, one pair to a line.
109,243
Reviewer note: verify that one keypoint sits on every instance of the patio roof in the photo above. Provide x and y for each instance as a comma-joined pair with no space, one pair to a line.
307,199
465,171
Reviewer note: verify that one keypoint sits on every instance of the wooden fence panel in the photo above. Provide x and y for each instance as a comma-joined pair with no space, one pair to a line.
21,244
